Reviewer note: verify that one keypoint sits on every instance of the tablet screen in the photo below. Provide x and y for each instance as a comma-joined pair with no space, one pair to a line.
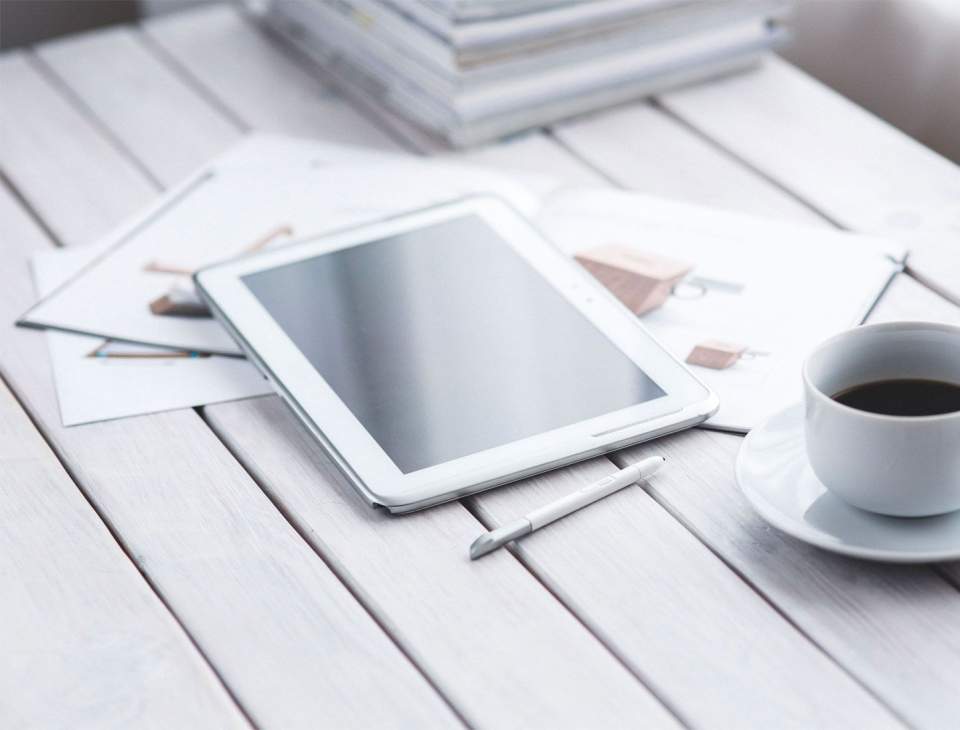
444,341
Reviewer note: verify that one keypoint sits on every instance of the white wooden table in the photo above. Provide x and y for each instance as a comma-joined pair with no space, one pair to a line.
210,568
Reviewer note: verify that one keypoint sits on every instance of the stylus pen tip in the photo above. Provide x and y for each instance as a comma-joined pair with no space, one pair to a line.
490,541
482,545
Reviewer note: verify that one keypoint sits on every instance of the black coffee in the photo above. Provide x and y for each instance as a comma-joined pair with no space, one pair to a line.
903,397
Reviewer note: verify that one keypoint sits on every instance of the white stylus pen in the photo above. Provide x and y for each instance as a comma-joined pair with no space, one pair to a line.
490,541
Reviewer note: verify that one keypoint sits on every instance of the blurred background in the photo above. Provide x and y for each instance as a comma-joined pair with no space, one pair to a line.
898,58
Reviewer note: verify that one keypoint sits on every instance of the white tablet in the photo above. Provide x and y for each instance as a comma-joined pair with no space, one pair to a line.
449,350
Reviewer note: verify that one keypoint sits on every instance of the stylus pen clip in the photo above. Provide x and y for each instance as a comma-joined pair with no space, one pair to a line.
490,541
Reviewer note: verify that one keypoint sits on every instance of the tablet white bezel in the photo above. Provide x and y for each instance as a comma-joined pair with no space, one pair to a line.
686,401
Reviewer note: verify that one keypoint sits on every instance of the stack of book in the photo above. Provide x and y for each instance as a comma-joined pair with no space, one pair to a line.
468,71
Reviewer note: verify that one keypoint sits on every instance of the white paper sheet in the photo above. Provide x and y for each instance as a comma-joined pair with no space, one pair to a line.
220,211
101,387
777,288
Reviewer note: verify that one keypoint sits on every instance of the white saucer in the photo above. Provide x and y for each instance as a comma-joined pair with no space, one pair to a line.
774,475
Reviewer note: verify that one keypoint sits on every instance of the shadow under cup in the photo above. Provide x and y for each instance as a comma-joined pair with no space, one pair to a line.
906,466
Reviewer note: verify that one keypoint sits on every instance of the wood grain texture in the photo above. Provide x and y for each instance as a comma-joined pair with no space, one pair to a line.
299,104
639,147
879,622
681,666
631,637
500,647
162,116
839,158
82,212
86,643
893,627
670,609
276,91
286,636
413,573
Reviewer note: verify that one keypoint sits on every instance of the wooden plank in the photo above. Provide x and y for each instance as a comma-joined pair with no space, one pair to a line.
858,170
259,73
285,635
167,119
86,642
890,627
85,213
628,594
425,557
639,147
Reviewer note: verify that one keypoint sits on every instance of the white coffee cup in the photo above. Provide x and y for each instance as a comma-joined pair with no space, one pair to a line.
906,466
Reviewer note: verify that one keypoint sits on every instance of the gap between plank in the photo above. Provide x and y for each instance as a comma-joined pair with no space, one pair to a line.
947,577
27,208
937,288
191,82
78,103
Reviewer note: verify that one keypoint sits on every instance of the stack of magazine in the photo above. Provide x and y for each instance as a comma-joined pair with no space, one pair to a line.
468,71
